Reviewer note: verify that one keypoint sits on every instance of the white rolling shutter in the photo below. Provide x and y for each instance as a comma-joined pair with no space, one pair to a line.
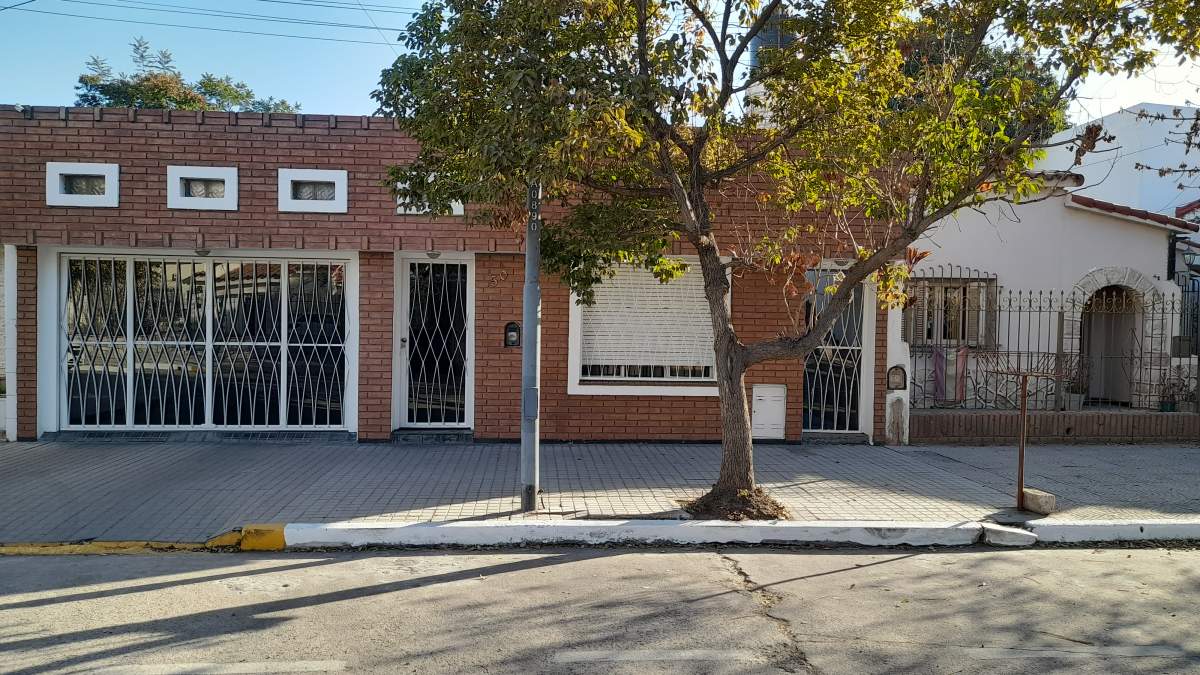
642,329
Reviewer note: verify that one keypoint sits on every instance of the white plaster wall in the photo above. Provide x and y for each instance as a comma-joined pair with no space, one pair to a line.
3,313
1110,171
1045,245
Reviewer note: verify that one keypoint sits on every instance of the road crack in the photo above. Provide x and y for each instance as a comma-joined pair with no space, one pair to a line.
789,657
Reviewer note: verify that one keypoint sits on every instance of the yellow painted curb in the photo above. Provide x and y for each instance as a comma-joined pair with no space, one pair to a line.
263,537
255,537
230,539
97,547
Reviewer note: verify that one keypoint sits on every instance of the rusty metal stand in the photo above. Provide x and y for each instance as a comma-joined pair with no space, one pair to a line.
1022,433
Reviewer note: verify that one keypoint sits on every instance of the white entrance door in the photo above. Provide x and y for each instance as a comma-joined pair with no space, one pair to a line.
833,373
436,345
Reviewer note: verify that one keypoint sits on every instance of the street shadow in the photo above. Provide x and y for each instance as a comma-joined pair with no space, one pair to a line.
871,607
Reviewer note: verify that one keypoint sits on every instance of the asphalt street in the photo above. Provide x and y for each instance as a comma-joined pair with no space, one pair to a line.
622,610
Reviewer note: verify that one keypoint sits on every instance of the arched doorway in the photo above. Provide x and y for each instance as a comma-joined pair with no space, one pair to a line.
1109,338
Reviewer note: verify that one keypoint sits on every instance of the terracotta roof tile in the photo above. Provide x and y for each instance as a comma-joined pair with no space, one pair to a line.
1187,208
1140,214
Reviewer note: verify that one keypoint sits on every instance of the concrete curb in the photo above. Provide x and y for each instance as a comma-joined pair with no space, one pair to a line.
281,536
498,533
1068,531
98,547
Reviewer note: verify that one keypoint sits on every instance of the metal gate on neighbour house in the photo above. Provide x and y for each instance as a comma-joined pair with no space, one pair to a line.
185,343
1114,349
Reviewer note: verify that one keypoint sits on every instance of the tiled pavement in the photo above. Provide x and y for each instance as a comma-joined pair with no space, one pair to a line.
82,489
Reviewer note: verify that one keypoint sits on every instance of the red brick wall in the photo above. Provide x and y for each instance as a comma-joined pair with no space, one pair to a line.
376,275
879,412
27,351
1000,427
758,313
145,142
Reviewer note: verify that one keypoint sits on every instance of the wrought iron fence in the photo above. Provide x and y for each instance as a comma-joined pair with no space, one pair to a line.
1116,348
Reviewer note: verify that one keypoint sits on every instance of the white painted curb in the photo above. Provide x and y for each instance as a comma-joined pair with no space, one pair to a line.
495,533
1114,530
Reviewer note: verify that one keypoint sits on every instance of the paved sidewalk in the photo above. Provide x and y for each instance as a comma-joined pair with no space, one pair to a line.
72,490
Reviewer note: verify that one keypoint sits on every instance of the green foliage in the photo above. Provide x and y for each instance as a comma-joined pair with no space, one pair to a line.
585,248
157,83
880,118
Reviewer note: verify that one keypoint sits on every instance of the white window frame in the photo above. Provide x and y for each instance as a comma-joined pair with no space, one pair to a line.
866,376
336,205
456,208
400,330
51,398
576,386
176,199
112,184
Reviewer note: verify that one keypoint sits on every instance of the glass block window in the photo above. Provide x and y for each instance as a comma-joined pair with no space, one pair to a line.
83,184
204,188
309,190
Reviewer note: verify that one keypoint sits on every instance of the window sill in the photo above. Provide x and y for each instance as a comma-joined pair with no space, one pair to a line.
639,388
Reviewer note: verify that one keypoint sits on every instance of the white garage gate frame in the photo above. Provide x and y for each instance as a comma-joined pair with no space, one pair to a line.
54,411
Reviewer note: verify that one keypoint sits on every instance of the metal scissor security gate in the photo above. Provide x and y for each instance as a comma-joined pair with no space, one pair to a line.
203,343
435,385
833,371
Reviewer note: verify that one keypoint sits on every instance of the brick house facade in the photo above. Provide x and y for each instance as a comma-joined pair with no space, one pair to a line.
301,306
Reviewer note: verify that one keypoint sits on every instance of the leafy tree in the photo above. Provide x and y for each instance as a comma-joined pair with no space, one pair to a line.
157,83
875,120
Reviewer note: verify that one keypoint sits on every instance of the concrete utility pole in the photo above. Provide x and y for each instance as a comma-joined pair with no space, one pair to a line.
531,353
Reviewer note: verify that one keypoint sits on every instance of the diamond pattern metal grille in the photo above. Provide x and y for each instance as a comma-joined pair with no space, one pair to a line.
832,372
437,344
168,342
247,315
317,335
95,317
193,342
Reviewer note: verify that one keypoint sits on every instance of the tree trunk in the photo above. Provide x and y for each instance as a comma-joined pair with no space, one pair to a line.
737,457
737,447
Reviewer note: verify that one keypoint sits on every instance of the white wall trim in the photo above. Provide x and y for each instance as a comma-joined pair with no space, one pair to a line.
177,200
575,360
896,403
10,344
350,399
338,204
400,330
112,184
866,384
49,352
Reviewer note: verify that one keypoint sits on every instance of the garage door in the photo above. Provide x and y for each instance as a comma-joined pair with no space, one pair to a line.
203,343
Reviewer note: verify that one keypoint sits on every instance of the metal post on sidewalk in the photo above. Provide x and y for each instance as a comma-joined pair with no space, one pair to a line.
531,372
1024,378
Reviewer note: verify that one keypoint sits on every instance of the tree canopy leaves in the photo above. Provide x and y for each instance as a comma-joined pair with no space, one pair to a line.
857,126
157,83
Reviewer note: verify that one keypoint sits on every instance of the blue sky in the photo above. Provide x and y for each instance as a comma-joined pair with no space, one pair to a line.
45,53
